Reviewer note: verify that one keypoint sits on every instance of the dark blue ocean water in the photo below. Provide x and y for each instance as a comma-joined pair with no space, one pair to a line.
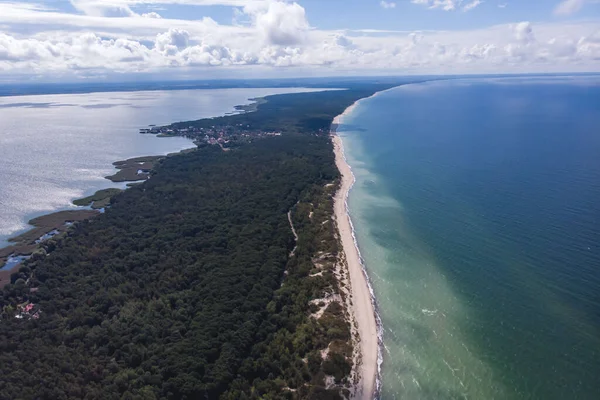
477,211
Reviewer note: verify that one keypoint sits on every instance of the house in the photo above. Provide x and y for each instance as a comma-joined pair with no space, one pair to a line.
28,311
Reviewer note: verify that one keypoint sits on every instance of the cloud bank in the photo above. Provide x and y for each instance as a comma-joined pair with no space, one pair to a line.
449,5
113,37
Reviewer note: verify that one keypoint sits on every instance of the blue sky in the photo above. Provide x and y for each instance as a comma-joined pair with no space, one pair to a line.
85,39
366,14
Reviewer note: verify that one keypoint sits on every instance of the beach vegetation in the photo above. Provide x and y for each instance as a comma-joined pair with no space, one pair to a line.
100,199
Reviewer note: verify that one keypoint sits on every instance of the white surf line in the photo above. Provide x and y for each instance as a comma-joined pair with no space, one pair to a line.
373,389
363,303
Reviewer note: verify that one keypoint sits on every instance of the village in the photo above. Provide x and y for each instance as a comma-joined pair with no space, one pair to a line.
224,136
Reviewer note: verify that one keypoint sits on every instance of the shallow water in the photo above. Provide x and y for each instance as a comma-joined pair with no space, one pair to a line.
477,211
12,261
57,148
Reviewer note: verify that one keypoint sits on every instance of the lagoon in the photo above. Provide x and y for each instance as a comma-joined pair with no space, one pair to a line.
57,148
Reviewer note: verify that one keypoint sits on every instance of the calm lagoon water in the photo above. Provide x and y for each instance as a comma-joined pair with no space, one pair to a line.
56,148
477,211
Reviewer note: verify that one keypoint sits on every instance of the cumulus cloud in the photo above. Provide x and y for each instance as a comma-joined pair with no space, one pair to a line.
82,52
589,46
172,41
151,15
99,4
343,41
280,23
524,32
387,4
273,34
515,45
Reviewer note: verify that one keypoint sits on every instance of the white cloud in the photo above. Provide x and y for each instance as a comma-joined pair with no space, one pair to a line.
280,23
106,8
524,32
172,41
472,5
387,4
343,41
151,15
567,7
447,5
100,4
272,34
52,23
589,46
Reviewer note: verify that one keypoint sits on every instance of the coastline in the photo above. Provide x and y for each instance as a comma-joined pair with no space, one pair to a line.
233,99
367,362
43,228
128,172
29,240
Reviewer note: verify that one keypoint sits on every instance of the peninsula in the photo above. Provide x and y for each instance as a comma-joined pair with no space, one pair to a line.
227,275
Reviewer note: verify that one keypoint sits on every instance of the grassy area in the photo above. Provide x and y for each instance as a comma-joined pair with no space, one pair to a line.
129,169
100,199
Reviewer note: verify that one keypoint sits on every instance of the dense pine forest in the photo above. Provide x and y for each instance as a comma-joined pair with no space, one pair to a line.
192,284
303,113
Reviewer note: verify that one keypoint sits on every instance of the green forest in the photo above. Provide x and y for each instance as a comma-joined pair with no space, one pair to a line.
303,113
190,285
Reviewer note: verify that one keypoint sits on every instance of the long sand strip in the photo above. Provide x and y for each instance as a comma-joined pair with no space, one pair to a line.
362,305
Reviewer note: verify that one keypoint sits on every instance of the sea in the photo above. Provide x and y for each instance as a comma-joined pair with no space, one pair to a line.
476,209
56,148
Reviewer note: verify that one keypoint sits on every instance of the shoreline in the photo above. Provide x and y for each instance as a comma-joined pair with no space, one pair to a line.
131,171
369,330
24,243
43,228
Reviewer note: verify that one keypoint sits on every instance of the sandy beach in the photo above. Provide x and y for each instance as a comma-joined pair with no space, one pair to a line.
362,305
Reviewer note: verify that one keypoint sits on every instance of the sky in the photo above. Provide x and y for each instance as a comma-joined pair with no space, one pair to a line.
70,40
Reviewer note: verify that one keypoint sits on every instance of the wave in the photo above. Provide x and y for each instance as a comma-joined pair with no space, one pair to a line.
380,345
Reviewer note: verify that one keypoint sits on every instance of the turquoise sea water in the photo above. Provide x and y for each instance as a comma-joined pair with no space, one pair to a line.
477,213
